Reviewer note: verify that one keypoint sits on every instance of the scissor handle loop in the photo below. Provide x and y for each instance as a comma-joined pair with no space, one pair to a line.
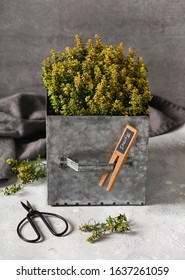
28,218
41,215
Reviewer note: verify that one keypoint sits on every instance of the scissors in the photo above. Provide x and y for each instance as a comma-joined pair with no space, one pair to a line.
30,218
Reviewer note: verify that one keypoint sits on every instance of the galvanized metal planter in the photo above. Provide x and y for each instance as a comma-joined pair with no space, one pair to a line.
78,151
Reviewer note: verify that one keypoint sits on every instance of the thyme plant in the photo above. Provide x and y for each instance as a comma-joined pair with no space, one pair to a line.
26,171
96,79
100,230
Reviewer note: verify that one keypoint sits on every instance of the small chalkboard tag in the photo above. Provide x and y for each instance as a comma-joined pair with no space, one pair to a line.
120,154
124,142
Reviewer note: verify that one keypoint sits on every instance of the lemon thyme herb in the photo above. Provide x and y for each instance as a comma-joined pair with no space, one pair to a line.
96,79
26,171
100,230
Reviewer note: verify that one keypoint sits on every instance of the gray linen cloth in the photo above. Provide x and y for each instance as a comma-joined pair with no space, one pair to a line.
23,125
22,128
164,116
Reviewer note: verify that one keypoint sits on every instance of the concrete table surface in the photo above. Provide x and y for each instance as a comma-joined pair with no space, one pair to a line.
157,230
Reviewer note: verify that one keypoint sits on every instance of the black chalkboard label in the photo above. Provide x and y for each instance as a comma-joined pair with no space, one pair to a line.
120,154
123,144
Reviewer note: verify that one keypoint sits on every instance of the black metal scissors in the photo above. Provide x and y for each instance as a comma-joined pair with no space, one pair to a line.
30,218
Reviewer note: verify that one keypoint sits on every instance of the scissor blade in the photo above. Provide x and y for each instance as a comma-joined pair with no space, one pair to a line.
25,206
29,205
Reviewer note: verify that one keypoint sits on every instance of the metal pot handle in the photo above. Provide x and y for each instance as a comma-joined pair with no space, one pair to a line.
97,166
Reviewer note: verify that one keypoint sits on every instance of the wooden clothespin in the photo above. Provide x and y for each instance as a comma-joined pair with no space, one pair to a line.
119,155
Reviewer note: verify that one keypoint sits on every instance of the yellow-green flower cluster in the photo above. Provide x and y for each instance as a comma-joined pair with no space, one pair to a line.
26,171
95,79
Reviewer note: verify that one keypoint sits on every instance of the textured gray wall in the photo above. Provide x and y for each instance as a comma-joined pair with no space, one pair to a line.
155,28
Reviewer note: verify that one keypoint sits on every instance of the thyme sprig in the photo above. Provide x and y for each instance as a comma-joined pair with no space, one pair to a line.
100,230
27,171
12,189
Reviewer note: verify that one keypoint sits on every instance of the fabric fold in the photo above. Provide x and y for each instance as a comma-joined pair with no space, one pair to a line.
22,128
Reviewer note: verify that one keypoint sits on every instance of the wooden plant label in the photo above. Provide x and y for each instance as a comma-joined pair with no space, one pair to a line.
119,155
